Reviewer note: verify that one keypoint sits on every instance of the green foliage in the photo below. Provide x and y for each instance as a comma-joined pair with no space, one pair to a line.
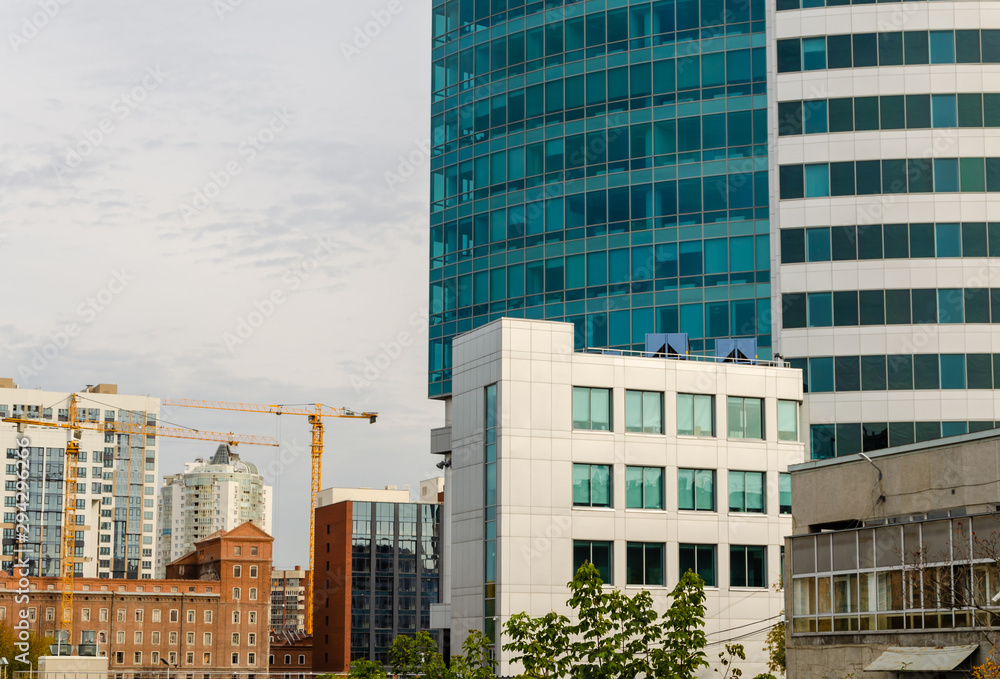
728,658
37,647
775,647
615,636
765,676
366,669
477,661
410,656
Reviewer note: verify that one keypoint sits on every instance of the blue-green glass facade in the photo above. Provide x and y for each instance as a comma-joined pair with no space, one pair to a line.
602,163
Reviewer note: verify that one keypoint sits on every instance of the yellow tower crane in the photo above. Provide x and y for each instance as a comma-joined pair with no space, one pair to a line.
315,412
73,423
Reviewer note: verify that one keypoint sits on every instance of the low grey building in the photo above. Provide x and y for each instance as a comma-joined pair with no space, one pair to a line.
893,561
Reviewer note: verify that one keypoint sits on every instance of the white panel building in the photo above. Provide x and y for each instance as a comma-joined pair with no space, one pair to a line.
116,481
644,466
206,497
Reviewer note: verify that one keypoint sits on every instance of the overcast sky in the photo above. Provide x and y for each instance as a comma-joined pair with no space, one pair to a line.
194,203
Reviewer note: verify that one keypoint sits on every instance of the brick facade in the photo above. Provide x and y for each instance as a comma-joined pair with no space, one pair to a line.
209,615
332,602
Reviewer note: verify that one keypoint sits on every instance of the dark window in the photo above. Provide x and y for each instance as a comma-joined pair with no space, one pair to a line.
873,375
925,371
644,563
845,307
865,50
793,246
897,240
875,436
900,371
872,307
747,566
897,307
597,553
847,371
699,559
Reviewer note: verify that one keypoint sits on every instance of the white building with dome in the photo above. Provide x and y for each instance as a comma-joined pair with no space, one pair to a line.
208,496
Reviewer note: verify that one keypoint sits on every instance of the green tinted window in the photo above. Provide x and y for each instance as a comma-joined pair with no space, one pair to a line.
897,241
873,373
892,112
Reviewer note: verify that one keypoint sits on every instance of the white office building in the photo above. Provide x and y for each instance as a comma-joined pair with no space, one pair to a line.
885,226
208,496
644,466
115,487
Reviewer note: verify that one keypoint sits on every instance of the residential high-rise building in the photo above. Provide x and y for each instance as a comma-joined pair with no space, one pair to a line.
115,486
605,164
288,600
377,573
885,159
208,496
645,467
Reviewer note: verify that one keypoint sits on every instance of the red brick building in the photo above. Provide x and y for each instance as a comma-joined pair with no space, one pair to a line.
291,654
210,614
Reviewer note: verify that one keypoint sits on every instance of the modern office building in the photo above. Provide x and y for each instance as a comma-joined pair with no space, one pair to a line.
646,467
116,481
209,496
893,562
887,154
601,163
288,600
208,617
377,573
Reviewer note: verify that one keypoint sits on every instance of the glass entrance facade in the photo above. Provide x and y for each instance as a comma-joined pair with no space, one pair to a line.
602,163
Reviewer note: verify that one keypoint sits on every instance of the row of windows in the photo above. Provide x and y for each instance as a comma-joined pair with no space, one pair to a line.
604,273
592,409
889,49
903,372
806,4
899,112
154,658
644,489
890,307
718,136
890,241
902,175
138,615
589,26
206,637
645,562
848,438
288,659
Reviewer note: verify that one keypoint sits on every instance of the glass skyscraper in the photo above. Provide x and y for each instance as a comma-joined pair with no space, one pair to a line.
603,163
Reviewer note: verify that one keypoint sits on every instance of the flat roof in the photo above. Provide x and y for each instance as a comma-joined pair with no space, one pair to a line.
922,446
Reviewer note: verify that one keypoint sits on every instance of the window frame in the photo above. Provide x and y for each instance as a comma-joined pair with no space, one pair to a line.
694,489
744,400
644,566
643,486
744,507
733,583
578,392
579,544
694,546
643,396
695,399
590,485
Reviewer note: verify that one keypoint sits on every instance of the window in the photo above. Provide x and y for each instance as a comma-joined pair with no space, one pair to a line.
747,566
699,559
597,553
137,637
236,658
236,638
288,658
251,658
644,412
120,637
172,639
189,637
103,616
746,492
50,613
252,617
236,593
302,659
251,639
784,493
85,615
174,615
644,487
137,657
746,419
644,563
120,615
253,594
253,551
154,657
206,659
696,489
156,615
190,616
119,657
788,420
253,571
591,485
695,415
592,408
155,638
189,658
172,658
208,616
237,571
237,551
206,638
236,617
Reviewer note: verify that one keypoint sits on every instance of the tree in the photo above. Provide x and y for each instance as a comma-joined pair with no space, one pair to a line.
615,636
477,661
37,647
774,642
410,656
364,668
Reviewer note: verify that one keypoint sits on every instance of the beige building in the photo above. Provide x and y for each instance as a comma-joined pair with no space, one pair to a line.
288,599
893,560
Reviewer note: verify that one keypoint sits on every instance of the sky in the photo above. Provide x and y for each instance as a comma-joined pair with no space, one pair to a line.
225,200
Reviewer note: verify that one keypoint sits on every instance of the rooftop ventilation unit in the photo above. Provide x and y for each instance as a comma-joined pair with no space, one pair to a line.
667,345
743,350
